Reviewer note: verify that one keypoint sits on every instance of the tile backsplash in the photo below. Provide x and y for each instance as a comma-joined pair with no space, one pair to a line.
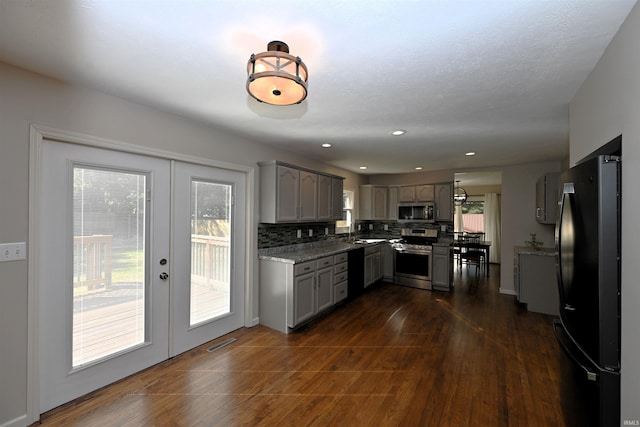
274,235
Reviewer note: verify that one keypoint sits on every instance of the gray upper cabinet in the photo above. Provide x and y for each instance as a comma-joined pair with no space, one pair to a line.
287,194
444,202
337,187
424,193
392,209
373,202
324,198
329,198
415,193
308,196
407,193
547,199
291,194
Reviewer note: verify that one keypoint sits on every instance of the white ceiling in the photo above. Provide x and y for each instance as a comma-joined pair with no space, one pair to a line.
490,76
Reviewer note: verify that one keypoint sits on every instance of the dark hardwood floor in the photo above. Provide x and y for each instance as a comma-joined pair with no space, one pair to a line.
395,356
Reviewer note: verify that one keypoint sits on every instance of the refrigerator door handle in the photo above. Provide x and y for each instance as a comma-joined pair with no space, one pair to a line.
565,241
591,376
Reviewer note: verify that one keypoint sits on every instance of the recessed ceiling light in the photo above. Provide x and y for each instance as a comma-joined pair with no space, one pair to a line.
470,153
363,167
326,145
419,168
398,132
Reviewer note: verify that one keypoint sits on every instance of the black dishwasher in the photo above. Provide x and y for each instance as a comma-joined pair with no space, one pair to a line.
355,259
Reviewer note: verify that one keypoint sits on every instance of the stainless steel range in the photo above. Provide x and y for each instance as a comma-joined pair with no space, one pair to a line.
413,257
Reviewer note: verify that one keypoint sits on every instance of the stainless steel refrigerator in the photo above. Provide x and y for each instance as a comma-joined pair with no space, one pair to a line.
588,328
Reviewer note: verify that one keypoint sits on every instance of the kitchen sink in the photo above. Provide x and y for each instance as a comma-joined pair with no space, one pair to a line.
369,241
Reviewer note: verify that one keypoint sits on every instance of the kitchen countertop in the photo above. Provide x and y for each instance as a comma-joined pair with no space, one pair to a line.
528,250
307,251
293,254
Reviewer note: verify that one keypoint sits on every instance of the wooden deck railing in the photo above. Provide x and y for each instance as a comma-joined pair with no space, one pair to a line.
92,262
93,267
210,261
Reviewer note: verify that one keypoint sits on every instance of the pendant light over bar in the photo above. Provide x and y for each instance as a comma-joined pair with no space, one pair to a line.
459,195
276,77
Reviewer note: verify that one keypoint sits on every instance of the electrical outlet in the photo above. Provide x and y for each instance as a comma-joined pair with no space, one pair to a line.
13,251
386,227
310,233
359,227
370,226
326,230
299,234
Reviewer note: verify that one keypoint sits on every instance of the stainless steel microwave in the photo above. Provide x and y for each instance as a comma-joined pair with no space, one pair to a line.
423,212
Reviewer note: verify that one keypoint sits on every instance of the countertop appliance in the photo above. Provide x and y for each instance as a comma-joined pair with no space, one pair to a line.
416,212
588,244
413,257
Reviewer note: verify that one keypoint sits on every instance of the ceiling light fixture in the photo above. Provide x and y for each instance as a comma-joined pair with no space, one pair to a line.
398,132
276,77
459,195
363,167
326,145
470,153
419,168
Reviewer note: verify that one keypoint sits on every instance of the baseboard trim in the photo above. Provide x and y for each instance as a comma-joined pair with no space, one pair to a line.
21,421
508,291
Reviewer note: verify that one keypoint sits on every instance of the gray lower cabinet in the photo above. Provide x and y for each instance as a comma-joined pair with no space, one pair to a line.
303,299
340,278
373,268
535,280
442,274
291,294
324,289
387,262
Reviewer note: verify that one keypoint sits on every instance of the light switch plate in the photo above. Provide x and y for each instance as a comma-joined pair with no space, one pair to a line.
13,251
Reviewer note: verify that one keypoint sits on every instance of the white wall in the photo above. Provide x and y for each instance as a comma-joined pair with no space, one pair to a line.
519,214
607,105
27,98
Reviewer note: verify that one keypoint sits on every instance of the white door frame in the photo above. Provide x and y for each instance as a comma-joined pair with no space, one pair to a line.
37,135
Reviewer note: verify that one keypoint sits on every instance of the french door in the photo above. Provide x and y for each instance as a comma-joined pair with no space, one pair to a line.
208,228
135,264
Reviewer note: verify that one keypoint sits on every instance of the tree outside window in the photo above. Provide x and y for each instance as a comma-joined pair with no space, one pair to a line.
473,215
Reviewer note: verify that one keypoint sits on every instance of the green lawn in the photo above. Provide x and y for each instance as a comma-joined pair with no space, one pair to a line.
127,263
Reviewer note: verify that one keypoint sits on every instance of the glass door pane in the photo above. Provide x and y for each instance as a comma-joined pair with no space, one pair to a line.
109,222
210,295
